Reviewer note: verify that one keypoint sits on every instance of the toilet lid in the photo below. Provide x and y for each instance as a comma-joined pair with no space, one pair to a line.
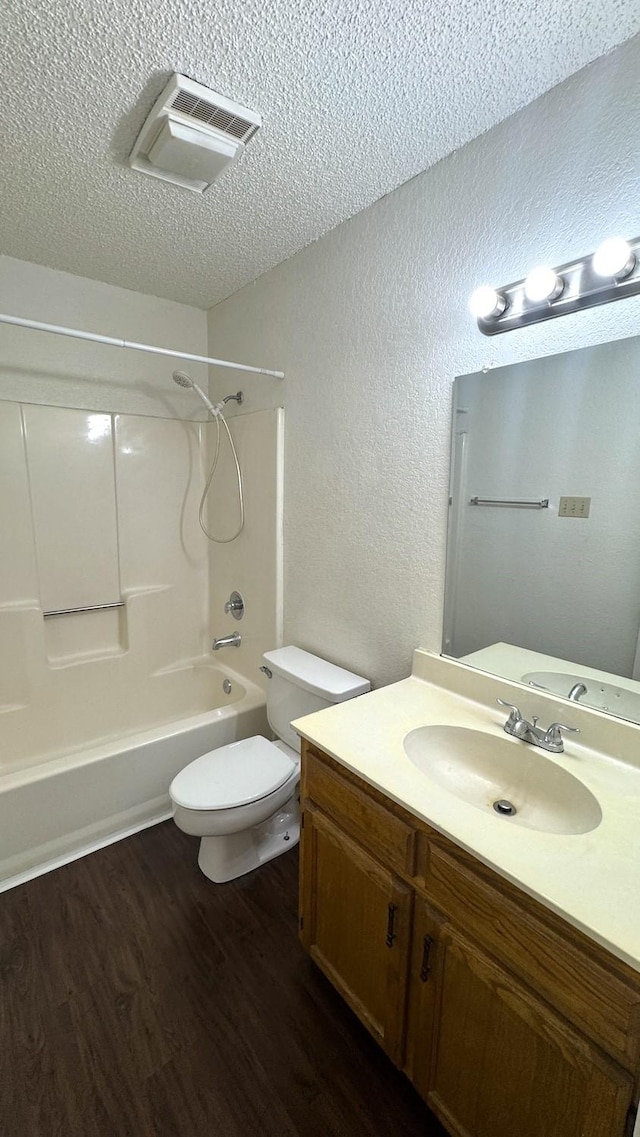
232,775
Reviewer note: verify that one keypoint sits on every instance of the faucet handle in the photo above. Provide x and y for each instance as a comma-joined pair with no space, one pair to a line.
235,606
515,715
554,734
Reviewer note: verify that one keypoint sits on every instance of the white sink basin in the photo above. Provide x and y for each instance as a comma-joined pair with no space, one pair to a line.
482,769
603,696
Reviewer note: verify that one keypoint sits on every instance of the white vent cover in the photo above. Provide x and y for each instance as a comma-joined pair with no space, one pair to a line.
191,135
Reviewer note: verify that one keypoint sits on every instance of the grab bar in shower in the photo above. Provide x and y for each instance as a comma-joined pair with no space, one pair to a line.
541,503
85,608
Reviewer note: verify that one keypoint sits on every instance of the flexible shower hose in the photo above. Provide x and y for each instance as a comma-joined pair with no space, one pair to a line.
217,414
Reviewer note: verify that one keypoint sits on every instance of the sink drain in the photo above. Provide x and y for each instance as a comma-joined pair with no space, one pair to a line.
504,807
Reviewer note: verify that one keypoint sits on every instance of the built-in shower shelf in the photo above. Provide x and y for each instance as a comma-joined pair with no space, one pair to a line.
100,632
56,663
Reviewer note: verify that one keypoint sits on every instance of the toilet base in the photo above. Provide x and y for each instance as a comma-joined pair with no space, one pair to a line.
234,854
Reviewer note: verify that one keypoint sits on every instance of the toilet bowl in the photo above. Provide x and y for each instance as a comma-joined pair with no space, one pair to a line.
242,799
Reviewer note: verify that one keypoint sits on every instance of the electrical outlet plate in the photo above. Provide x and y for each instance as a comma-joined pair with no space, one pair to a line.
574,507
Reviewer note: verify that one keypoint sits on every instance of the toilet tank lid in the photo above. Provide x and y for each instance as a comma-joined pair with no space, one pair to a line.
316,675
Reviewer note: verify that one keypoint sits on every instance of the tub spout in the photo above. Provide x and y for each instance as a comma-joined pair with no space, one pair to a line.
232,640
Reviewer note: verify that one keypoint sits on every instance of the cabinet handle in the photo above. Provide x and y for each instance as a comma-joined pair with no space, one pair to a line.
391,920
427,944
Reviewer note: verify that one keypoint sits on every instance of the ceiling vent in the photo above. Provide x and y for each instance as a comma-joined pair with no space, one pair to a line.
191,135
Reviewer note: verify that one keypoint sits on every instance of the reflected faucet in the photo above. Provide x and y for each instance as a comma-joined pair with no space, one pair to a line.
577,691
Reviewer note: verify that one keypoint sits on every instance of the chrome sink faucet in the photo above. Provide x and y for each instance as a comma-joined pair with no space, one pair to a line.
550,739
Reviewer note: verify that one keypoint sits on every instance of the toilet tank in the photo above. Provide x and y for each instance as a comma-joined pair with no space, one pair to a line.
302,683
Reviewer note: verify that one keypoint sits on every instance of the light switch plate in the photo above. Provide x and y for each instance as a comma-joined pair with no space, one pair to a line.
574,507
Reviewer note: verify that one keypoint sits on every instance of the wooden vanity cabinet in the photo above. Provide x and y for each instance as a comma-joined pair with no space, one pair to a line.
492,1059
356,925
507,1020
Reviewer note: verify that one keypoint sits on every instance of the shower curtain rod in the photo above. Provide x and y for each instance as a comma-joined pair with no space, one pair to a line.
111,341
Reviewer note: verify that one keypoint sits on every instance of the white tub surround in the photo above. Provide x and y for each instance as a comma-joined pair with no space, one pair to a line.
116,523
107,684
57,810
592,879
252,563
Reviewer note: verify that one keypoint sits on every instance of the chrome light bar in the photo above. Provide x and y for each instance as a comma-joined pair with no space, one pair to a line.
611,273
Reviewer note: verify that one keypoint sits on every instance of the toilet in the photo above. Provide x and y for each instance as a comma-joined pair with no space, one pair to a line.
242,799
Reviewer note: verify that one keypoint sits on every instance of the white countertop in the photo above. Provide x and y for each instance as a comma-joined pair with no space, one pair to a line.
591,879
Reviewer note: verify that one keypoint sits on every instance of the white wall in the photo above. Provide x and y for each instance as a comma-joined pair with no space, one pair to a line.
371,325
37,367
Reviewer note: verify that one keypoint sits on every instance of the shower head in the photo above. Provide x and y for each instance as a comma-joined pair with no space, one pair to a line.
184,380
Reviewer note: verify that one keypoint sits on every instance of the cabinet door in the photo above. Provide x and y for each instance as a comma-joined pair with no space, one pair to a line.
356,925
495,1060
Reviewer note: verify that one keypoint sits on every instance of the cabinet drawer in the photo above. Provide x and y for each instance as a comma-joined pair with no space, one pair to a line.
389,838
559,966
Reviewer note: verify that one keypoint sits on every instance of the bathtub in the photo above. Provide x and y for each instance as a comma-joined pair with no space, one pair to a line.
55,810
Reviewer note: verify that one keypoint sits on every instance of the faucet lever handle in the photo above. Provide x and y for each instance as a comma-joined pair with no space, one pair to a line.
515,715
554,732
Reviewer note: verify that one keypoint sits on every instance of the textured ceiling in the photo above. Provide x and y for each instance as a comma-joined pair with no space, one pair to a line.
357,97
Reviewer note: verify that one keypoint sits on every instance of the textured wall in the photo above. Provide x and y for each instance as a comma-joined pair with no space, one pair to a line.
371,325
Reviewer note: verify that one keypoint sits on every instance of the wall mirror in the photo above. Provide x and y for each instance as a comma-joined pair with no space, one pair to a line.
543,554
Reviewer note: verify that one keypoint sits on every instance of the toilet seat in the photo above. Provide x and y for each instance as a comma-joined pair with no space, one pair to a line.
233,775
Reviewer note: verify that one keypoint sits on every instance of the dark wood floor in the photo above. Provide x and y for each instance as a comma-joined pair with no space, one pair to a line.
139,999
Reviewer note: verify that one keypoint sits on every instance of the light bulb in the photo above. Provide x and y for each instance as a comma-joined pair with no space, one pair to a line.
614,258
485,302
543,283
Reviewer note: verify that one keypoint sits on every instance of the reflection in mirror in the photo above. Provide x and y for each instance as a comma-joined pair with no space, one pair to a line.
543,567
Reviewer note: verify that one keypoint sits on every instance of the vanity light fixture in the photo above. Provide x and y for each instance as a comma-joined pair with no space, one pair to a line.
614,258
543,283
611,273
485,302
